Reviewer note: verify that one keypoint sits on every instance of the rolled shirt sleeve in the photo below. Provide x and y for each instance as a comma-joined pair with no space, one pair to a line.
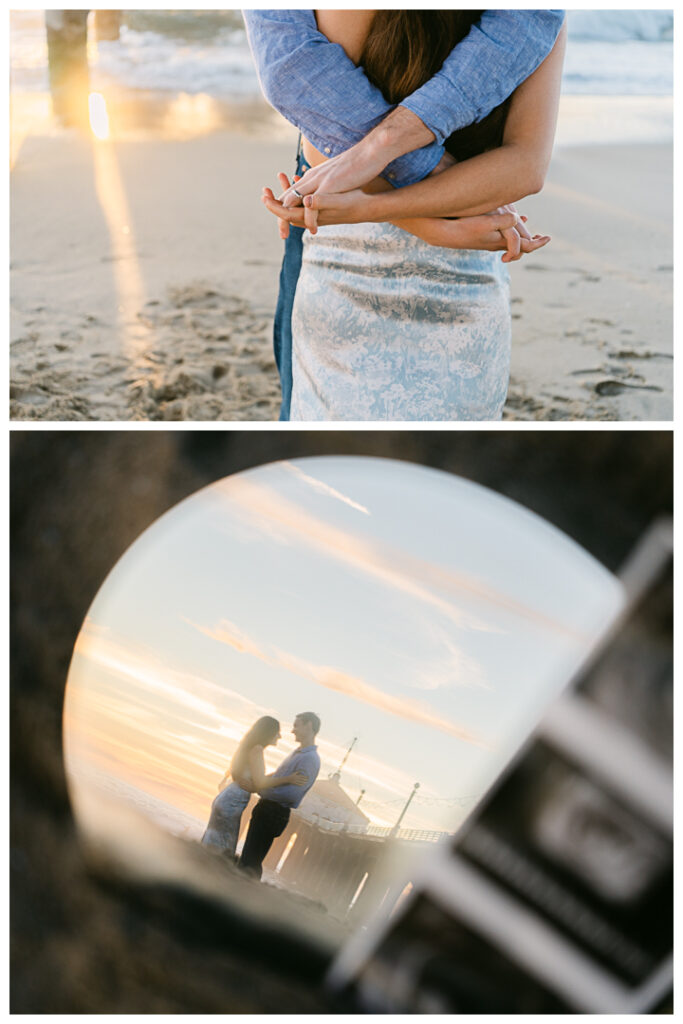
316,87
496,56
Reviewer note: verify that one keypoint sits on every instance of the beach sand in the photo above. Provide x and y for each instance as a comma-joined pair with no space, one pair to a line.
144,277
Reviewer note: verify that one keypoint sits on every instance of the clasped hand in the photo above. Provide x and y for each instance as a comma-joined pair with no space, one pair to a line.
502,230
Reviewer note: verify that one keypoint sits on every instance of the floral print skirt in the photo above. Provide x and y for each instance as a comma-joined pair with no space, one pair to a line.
387,327
223,829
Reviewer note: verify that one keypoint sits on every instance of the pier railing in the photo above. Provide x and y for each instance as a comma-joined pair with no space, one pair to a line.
419,835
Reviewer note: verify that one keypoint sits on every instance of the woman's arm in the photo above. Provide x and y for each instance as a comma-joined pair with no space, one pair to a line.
515,169
274,781
262,781
502,230
476,186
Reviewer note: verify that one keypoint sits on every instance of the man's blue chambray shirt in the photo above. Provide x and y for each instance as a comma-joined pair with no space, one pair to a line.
313,84
305,760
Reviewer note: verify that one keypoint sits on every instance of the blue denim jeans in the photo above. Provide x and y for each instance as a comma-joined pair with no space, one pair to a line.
282,329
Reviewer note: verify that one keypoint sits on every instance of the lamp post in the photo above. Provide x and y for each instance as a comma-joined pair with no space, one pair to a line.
394,830
336,775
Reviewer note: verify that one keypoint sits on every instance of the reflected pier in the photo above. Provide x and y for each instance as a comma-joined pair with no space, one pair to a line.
67,54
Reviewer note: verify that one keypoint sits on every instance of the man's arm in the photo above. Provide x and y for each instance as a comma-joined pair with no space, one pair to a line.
313,83
497,55
286,792
513,170
316,87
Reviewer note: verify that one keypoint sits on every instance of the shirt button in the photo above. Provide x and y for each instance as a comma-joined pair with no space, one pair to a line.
327,149
391,175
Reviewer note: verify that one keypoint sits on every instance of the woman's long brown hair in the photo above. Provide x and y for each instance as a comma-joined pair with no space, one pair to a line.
263,731
404,49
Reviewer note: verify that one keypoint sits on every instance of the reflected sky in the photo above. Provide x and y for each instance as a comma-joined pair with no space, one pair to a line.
425,615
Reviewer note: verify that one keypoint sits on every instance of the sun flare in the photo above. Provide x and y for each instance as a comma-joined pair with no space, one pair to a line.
99,117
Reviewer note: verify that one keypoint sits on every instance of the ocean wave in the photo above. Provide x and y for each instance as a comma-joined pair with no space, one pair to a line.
609,53
150,60
621,26
632,68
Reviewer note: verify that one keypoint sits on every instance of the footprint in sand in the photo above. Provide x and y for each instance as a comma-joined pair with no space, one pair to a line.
611,388
628,353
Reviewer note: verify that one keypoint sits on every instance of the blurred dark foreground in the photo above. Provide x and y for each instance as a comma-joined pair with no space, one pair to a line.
88,940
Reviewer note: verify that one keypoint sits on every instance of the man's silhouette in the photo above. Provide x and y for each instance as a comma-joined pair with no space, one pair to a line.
270,815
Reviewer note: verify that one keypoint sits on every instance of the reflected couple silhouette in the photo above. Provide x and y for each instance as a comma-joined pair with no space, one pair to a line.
279,793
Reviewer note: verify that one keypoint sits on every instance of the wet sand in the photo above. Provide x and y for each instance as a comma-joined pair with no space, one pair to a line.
144,278
592,312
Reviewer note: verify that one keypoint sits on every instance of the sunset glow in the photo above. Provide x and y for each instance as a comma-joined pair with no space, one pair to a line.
99,118
436,635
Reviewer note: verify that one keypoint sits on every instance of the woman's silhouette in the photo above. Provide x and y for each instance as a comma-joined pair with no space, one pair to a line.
247,770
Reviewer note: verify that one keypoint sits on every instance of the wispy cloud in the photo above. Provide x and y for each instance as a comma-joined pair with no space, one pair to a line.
289,523
337,680
448,668
453,594
323,488
196,694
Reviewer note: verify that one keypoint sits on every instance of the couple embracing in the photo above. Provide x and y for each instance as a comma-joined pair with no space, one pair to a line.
419,129
279,792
